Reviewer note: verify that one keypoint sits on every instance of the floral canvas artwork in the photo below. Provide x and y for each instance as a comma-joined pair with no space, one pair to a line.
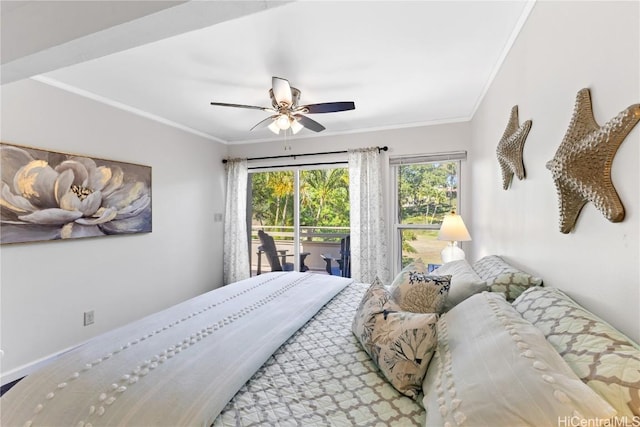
47,195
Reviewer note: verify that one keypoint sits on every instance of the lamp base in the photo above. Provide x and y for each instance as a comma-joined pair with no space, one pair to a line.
452,253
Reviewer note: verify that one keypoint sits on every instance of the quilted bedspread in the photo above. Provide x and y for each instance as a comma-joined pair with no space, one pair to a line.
321,377
177,367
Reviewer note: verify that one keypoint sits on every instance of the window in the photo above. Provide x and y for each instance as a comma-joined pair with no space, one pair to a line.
425,189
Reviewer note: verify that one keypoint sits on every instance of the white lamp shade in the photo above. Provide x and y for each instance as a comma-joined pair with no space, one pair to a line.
453,229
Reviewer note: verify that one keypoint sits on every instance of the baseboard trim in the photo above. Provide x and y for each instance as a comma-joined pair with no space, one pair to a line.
28,368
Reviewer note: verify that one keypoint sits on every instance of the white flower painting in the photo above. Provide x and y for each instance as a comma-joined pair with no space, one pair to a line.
47,195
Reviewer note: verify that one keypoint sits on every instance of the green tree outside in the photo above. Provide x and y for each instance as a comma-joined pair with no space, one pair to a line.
426,192
324,198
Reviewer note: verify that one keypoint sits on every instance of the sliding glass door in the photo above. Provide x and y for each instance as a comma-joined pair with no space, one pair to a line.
305,211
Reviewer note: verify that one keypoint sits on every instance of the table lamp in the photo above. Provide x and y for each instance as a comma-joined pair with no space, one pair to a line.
453,230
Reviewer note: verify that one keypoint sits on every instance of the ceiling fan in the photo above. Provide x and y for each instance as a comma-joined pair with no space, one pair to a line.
286,111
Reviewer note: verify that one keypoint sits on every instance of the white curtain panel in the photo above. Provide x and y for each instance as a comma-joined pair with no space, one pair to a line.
368,237
236,246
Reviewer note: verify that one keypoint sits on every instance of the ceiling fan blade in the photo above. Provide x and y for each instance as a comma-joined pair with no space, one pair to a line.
264,123
328,107
310,124
251,107
281,90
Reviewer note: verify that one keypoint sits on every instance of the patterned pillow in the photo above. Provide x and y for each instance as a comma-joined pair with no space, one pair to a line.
605,359
464,282
421,292
416,266
491,367
503,277
399,343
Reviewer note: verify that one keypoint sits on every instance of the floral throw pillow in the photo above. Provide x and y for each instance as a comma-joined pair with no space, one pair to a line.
399,343
421,292
416,266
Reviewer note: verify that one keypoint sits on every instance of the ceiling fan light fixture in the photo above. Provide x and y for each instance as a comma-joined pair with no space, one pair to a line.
273,127
283,122
286,111
295,126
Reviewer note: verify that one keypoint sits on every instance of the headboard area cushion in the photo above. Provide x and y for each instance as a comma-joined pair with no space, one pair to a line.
605,359
491,367
400,343
504,277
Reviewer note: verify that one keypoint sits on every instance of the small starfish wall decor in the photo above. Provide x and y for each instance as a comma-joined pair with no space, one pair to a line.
510,148
581,168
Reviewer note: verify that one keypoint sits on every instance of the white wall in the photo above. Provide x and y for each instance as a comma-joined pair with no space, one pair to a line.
401,142
563,47
47,286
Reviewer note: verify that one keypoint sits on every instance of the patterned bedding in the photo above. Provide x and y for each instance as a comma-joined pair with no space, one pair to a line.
322,377
601,356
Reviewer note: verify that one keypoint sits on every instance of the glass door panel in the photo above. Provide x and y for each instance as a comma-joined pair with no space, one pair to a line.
324,217
272,212
323,212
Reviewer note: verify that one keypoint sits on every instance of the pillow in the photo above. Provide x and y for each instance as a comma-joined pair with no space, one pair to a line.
464,282
421,292
493,368
399,343
416,266
503,277
605,359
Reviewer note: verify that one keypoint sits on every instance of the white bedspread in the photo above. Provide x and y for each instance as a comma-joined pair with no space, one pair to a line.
177,367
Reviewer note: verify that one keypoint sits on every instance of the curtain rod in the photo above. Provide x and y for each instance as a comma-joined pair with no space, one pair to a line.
299,164
385,148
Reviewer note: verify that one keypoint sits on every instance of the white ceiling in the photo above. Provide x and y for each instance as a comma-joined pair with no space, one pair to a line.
402,63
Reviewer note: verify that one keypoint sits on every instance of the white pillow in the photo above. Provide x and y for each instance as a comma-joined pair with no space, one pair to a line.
464,281
491,367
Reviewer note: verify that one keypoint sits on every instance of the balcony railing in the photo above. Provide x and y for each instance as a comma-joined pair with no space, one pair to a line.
316,240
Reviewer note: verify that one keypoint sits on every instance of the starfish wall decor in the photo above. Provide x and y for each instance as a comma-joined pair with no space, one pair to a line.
581,168
510,148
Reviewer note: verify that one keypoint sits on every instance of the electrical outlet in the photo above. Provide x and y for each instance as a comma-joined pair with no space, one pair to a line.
217,217
88,318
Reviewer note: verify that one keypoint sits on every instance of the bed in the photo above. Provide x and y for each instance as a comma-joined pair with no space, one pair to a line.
182,366
292,348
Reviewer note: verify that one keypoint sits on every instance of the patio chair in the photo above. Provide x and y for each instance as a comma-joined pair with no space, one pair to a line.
344,260
277,258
